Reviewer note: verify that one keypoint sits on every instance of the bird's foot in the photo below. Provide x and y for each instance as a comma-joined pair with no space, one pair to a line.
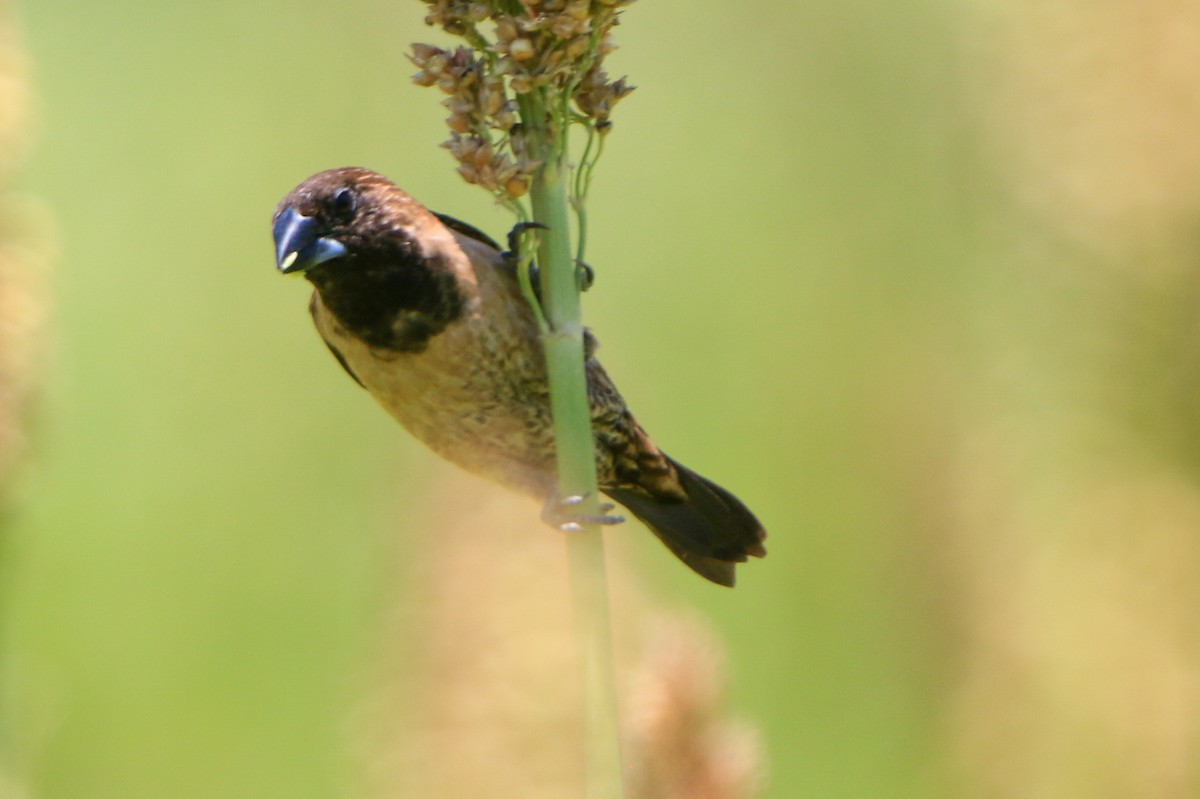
562,513
585,275
514,237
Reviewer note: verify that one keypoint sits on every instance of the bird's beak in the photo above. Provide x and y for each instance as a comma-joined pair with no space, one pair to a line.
299,245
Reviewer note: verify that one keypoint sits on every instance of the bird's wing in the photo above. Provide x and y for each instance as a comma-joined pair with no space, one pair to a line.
470,231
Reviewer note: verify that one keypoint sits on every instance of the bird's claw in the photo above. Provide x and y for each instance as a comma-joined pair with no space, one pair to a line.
514,236
585,275
561,513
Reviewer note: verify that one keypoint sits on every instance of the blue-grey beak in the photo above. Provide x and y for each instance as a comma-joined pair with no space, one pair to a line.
299,245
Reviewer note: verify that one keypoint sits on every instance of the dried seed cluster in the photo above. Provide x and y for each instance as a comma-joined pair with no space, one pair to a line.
552,45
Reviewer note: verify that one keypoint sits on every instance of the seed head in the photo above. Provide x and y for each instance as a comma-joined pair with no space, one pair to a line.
521,49
551,46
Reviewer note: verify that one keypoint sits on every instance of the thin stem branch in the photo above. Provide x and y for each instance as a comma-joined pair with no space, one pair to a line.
545,59
564,350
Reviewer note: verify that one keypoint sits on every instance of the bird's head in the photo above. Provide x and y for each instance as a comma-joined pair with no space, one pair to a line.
332,215
384,265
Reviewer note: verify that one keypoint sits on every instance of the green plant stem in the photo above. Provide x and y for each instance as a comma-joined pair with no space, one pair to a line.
563,341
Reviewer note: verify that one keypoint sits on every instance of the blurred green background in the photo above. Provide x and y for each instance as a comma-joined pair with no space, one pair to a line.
918,281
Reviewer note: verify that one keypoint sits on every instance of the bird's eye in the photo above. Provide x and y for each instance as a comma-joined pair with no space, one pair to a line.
342,204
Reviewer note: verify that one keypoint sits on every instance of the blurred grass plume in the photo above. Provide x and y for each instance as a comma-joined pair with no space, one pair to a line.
23,301
23,256
490,704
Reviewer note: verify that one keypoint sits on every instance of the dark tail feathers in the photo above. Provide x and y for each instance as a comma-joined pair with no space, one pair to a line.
711,531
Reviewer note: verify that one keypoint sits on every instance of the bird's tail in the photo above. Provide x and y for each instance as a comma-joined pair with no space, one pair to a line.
711,531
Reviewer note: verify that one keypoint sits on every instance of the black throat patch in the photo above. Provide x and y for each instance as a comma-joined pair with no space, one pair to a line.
394,300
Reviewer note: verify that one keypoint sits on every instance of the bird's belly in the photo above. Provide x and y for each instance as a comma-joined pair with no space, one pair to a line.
494,438
478,403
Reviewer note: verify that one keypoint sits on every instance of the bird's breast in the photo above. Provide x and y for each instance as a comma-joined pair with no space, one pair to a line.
476,394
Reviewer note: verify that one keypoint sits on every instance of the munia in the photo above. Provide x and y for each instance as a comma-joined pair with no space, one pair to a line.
427,314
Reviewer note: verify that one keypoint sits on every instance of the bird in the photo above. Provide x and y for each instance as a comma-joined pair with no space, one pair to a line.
427,314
